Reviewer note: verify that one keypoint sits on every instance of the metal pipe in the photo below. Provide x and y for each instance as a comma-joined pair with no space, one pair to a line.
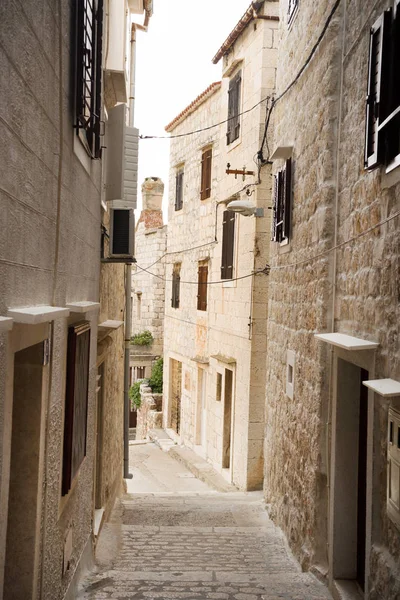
132,77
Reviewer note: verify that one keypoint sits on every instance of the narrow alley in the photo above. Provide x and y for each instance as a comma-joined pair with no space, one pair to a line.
173,537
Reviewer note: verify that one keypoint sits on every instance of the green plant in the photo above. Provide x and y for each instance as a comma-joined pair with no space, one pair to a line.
134,394
156,379
144,338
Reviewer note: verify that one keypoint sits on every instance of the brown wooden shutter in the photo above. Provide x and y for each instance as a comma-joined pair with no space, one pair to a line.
176,282
233,127
377,88
179,191
76,402
206,161
202,288
228,240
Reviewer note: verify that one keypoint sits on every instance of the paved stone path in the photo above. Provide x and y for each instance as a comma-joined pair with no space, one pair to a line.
197,546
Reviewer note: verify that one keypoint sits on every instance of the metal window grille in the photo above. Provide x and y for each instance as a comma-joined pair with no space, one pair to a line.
88,73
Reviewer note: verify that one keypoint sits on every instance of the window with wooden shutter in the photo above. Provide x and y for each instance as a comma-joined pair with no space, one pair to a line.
89,42
228,244
206,161
282,211
202,286
234,93
176,285
179,189
376,105
76,402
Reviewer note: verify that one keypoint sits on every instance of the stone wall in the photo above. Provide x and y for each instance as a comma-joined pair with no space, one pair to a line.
148,287
149,415
353,290
231,333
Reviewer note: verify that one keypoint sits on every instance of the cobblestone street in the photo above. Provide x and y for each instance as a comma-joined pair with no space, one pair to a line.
193,544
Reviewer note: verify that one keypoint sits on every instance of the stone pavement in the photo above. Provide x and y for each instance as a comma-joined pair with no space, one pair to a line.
193,544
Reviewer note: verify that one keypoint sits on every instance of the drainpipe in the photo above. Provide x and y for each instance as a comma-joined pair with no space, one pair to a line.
128,282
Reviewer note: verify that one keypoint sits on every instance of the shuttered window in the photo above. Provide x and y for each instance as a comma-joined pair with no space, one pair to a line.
382,136
228,243
88,70
282,211
176,285
206,161
234,92
179,189
76,402
202,287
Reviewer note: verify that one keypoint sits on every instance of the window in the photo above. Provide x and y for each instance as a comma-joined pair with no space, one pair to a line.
179,189
382,135
292,7
76,402
176,284
281,218
89,41
232,133
228,243
202,286
206,160
218,394
140,373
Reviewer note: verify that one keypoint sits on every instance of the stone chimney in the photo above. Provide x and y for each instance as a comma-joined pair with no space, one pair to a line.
152,195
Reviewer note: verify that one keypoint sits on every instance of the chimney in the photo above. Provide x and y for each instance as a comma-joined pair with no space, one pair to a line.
152,195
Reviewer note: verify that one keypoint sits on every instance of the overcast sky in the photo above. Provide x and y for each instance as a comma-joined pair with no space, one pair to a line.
174,66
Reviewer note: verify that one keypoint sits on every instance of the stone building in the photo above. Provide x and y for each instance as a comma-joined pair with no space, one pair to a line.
333,361
215,307
148,286
61,342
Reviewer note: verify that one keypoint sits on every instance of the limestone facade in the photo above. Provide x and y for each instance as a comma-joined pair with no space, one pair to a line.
327,435
148,286
214,353
51,217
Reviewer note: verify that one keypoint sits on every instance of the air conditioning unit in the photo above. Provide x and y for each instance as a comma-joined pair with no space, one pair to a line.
122,231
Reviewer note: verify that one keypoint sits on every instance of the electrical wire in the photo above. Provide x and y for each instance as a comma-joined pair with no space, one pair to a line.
178,252
296,79
208,282
267,269
180,135
349,241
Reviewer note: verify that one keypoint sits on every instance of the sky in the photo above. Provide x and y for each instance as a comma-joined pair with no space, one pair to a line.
173,67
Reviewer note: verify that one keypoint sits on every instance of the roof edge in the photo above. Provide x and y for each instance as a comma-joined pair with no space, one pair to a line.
248,16
201,98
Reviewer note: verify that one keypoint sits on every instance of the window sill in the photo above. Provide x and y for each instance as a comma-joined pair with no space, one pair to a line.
229,283
234,144
391,175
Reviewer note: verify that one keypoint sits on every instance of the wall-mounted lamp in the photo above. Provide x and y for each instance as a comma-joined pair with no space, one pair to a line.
245,208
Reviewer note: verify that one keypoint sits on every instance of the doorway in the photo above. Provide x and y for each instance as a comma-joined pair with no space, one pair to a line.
201,417
24,503
227,432
99,436
176,393
350,475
